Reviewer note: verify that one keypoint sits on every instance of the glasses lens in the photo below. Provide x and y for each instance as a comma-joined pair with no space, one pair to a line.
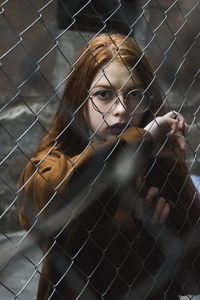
103,99
138,101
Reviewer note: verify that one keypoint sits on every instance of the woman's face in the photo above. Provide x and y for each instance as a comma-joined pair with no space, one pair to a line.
108,110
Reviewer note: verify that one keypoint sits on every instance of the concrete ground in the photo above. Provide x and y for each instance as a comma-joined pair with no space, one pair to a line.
20,274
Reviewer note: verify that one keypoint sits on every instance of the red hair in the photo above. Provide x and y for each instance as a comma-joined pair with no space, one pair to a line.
68,129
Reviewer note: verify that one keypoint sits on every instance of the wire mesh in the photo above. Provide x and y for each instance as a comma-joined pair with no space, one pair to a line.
39,40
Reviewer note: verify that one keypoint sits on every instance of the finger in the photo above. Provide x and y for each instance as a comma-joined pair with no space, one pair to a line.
173,114
174,126
184,129
151,194
164,214
158,210
181,123
182,126
181,141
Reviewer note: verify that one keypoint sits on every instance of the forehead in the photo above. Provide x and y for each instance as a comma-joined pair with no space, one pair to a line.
117,75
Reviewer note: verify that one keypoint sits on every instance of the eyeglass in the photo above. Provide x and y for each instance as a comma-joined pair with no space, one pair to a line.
136,101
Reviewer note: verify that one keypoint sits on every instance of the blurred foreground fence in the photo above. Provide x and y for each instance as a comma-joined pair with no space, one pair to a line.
37,46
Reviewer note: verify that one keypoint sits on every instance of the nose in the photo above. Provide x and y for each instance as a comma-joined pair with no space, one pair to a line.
120,106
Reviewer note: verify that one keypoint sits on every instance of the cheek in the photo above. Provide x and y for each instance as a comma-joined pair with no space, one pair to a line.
92,117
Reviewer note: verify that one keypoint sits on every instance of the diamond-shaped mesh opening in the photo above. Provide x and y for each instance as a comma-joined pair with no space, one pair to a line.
90,207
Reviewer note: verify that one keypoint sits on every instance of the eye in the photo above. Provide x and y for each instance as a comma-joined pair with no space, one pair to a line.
104,95
138,101
136,95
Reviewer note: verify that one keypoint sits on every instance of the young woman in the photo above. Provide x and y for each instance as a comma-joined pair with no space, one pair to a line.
108,192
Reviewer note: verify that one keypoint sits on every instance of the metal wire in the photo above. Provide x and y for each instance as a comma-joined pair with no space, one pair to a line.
36,60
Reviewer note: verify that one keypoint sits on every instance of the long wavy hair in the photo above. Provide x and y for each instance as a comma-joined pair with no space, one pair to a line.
68,129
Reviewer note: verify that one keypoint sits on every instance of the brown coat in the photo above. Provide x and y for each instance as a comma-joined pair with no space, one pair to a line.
95,247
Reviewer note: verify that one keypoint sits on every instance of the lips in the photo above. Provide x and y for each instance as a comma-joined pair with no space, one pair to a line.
116,129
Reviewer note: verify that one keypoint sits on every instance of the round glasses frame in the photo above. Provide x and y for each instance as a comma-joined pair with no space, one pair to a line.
137,101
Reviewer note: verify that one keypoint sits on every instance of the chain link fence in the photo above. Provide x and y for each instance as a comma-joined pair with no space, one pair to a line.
39,40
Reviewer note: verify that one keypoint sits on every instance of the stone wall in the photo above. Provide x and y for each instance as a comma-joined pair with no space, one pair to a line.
35,59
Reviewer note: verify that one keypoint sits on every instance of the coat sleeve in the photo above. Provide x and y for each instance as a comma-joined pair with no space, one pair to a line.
52,182
183,239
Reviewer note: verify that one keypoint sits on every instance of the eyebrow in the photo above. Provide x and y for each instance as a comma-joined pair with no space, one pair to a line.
109,86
